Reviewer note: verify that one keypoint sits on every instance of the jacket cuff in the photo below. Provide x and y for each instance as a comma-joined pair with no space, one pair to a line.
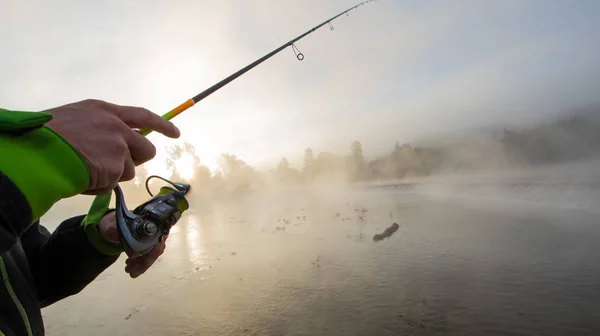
91,221
44,166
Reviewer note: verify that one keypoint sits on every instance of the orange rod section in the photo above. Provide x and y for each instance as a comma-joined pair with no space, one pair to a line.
172,114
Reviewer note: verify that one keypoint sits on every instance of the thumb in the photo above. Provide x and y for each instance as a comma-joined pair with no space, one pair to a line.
108,228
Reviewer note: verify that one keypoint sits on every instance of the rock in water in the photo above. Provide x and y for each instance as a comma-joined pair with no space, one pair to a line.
387,233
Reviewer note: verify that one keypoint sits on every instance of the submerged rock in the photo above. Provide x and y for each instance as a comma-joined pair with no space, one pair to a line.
387,233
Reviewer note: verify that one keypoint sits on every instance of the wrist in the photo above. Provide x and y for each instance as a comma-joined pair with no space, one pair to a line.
97,223
38,161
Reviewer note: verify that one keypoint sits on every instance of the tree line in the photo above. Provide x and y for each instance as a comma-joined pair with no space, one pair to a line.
567,139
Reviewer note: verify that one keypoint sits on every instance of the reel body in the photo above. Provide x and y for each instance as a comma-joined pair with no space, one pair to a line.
149,224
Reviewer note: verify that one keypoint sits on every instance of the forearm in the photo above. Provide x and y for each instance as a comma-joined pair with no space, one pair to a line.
37,169
15,213
64,262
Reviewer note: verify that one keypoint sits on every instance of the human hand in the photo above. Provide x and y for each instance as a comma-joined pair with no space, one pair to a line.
137,266
104,135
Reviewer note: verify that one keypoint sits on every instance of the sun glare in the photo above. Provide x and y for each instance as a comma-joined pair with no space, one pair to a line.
185,167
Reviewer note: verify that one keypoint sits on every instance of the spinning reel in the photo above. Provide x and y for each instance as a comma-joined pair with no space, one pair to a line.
149,223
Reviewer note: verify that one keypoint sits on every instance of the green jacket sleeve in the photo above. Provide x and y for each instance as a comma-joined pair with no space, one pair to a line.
43,166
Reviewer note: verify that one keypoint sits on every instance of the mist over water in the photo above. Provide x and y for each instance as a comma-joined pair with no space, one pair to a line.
495,237
303,262
473,125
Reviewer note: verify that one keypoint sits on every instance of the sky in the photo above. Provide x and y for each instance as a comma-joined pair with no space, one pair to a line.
391,71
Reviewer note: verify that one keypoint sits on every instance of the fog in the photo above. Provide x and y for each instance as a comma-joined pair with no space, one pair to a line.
391,71
473,126
561,150
484,232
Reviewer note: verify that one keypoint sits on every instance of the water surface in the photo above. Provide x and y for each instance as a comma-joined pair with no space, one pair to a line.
304,263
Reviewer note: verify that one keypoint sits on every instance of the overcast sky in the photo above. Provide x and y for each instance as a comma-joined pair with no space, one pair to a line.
391,71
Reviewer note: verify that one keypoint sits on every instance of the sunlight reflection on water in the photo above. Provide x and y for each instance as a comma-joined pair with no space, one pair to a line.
449,270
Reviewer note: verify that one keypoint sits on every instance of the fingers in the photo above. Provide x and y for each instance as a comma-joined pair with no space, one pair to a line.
128,167
135,267
138,266
128,170
108,227
137,117
103,134
140,148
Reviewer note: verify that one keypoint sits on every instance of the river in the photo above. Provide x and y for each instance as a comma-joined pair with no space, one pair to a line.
303,262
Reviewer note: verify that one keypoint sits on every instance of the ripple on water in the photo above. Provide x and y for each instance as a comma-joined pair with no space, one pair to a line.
448,270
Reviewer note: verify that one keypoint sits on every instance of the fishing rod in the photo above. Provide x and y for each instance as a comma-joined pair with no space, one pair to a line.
192,101
149,224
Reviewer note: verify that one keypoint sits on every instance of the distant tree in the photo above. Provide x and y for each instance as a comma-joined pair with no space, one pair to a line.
230,165
356,162
283,164
405,161
286,175
202,175
176,152
329,168
357,152
326,163
308,171
309,159
239,178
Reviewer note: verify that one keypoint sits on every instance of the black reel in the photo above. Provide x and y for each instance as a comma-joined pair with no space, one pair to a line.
150,223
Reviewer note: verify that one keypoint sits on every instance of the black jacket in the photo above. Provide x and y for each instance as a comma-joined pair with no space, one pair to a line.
39,268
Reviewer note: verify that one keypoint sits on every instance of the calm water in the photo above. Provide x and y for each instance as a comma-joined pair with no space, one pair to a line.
304,263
